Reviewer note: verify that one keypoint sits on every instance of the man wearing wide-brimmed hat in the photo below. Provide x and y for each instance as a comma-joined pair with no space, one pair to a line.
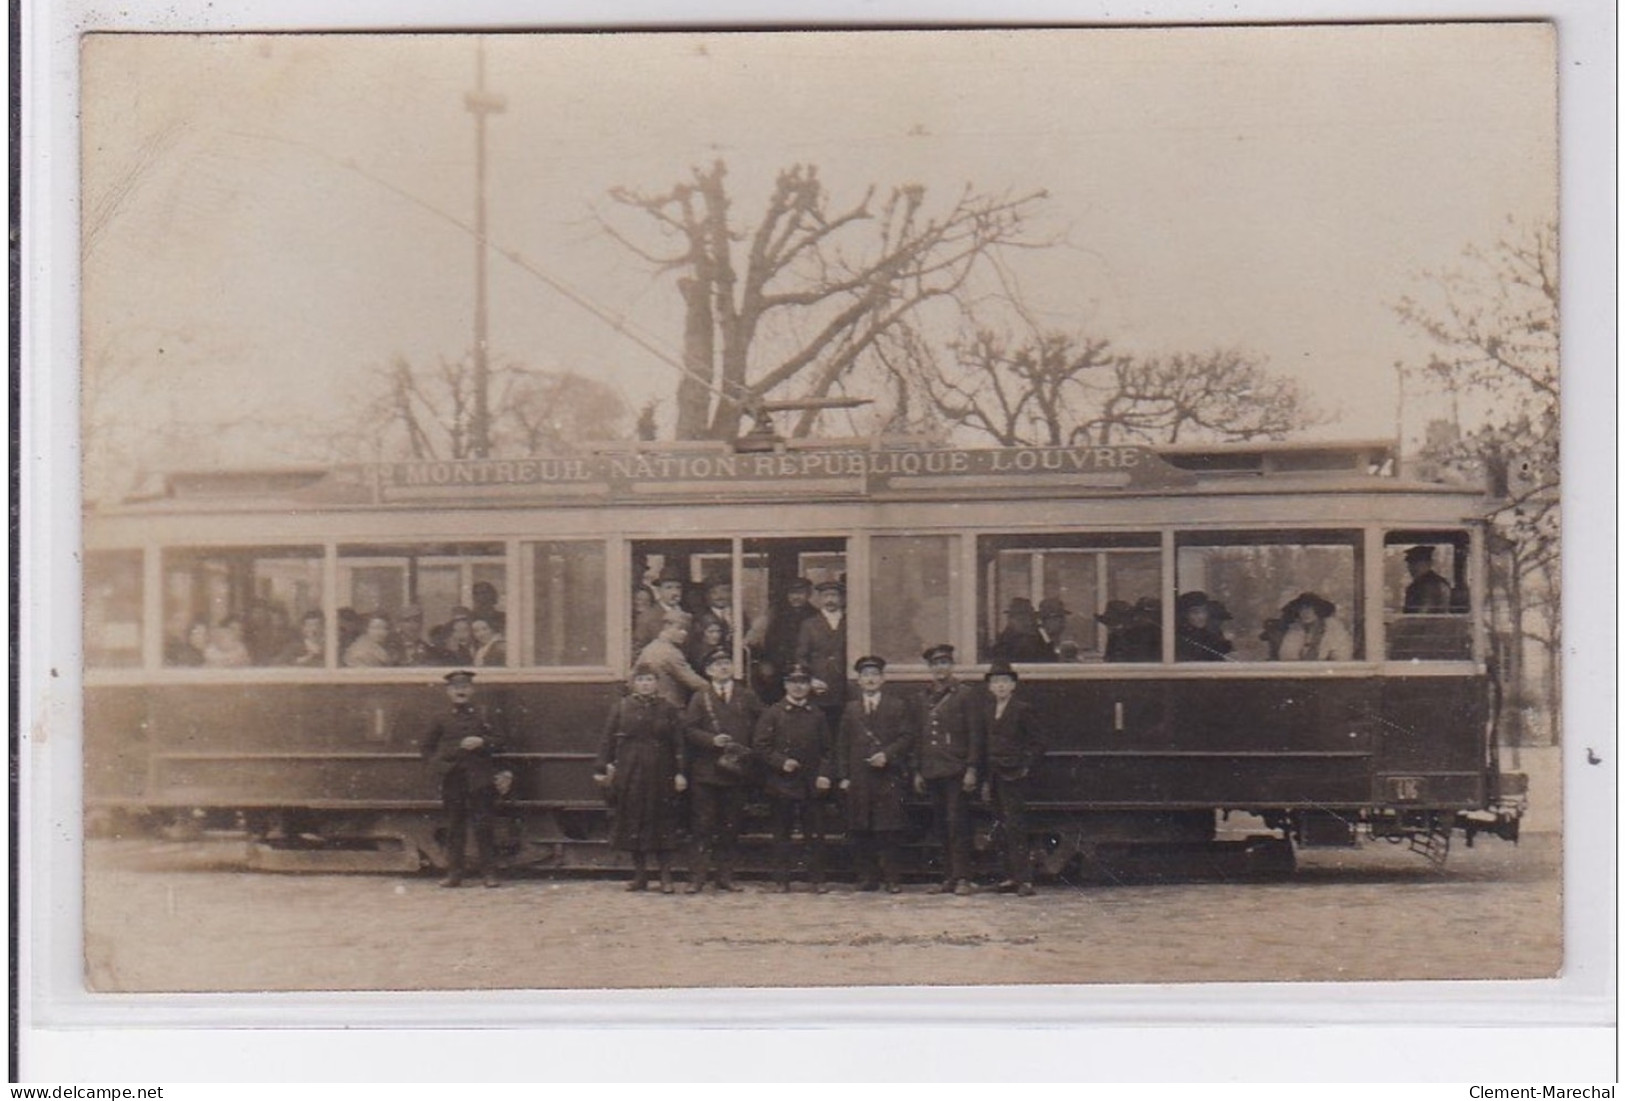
1020,640
462,747
1014,748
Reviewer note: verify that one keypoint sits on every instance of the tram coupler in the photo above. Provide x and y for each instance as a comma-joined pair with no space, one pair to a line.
1502,823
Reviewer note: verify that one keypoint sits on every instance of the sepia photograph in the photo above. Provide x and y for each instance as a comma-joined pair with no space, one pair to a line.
820,509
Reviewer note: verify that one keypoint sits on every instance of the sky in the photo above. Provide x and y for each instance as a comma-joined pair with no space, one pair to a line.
267,218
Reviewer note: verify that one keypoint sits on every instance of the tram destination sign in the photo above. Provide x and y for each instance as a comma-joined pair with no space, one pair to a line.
647,475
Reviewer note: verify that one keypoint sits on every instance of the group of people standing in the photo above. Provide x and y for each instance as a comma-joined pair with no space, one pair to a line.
801,754
952,742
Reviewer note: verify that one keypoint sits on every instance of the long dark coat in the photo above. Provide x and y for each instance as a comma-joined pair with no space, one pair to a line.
643,740
786,731
874,801
823,651
706,717
1015,743
1015,644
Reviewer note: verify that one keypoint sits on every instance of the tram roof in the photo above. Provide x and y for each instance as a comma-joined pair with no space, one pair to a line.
799,471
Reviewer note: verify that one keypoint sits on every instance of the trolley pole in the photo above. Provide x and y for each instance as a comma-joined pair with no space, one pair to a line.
480,103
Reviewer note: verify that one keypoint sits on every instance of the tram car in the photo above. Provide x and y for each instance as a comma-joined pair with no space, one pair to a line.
1288,632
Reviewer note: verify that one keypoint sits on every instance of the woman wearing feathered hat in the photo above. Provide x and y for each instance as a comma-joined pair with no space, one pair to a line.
1313,631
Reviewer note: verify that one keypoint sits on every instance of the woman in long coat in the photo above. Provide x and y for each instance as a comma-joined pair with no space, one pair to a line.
640,764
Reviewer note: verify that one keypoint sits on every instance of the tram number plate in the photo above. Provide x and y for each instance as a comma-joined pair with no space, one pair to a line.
1404,789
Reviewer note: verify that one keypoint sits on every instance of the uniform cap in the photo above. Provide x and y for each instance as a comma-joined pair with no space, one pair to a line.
719,654
1419,554
826,586
644,669
940,651
798,671
869,661
460,676
800,584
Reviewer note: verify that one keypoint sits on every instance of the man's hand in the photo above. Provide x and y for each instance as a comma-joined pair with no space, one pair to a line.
878,760
722,741
919,784
681,783
601,779
791,764
846,784
819,686
472,742
822,783
970,781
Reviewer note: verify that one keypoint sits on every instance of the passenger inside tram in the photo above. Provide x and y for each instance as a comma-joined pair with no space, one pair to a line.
310,648
779,633
190,647
485,607
226,649
1312,631
371,650
1198,635
489,647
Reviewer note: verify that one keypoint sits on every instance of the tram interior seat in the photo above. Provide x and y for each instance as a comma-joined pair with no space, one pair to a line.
1430,638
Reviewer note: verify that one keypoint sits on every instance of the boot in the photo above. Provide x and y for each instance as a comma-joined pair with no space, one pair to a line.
640,873
666,887
698,871
725,876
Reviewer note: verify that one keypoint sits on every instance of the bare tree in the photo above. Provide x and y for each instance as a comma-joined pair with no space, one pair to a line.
1053,388
1494,321
427,413
805,293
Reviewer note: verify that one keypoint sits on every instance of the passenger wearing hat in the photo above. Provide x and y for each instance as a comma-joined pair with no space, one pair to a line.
1052,613
779,638
717,728
1195,636
676,677
871,766
821,647
1014,747
455,638
668,599
1021,639
1428,593
310,648
461,745
1313,631
948,759
791,743
640,764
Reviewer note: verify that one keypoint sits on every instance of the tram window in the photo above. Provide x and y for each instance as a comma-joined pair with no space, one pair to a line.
909,595
1268,596
1069,597
1426,600
422,604
570,621
232,607
112,609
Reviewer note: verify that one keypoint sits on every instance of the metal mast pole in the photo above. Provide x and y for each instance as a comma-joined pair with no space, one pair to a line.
480,103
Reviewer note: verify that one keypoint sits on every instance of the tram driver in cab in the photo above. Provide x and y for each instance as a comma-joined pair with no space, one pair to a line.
1428,593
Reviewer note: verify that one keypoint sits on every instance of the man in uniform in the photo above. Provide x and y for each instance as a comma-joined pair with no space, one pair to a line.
462,746
871,753
1014,748
948,755
791,742
717,725
1428,593
668,599
821,647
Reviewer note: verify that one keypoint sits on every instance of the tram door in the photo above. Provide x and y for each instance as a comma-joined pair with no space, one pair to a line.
742,594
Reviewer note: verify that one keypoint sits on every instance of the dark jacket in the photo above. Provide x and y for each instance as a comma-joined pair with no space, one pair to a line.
875,799
1018,645
706,717
787,731
456,767
823,651
1015,744
951,731
1201,644
1428,594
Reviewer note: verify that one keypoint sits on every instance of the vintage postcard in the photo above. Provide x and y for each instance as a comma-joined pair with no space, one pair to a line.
820,509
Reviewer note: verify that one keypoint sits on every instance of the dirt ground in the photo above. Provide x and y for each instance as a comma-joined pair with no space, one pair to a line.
166,917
